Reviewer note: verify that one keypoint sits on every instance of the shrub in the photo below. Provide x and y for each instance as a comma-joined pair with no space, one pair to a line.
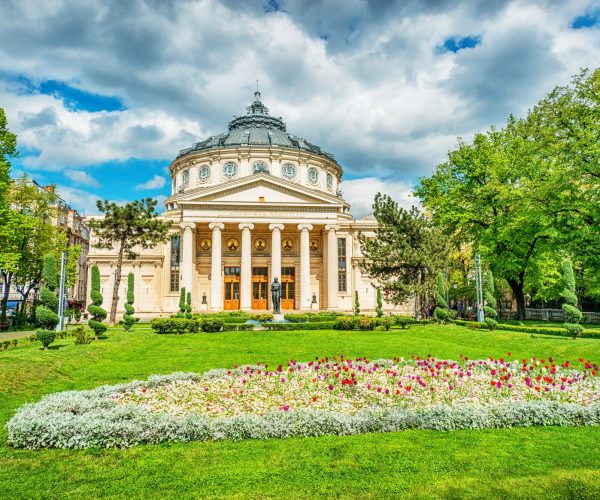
262,317
386,322
46,317
80,337
179,325
194,325
162,325
379,308
182,304
46,337
356,303
366,323
77,315
405,322
313,317
212,325
488,294
95,309
345,323
572,313
491,323
238,327
188,305
128,318
315,325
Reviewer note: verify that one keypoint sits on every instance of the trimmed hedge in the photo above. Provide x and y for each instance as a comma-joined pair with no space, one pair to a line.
323,325
313,317
559,332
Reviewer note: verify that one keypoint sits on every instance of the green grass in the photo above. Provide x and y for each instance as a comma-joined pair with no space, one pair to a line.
535,462
551,324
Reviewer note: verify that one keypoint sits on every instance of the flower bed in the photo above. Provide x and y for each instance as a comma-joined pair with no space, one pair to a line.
325,396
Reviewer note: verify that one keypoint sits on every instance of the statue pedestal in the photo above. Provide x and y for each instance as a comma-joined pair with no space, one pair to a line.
278,318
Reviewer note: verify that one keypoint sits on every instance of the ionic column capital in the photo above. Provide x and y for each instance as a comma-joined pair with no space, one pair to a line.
187,225
246,225
272,227
216,225
332,227
302,227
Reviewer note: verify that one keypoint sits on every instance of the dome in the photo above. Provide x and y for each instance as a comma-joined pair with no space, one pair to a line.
256,128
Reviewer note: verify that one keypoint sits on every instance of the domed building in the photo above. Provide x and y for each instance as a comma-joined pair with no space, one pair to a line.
247,206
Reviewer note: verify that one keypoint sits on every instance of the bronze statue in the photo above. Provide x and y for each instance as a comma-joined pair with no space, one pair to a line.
276,295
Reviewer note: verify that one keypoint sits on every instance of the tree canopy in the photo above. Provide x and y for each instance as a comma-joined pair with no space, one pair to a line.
129,228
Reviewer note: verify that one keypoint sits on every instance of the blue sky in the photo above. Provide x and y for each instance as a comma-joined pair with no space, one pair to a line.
103,95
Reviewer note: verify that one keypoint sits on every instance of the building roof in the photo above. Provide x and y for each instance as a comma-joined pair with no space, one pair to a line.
258,128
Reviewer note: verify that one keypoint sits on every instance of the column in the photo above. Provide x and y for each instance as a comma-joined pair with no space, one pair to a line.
246,267
332,266
304,266
276,250
187,255
216,293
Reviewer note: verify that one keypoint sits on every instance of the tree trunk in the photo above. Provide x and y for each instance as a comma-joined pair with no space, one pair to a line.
115,296
517,288
6,277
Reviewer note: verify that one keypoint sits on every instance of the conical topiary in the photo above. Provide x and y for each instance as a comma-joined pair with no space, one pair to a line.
46,312
490,301
128,318
95,309
356,303
572,313
379,308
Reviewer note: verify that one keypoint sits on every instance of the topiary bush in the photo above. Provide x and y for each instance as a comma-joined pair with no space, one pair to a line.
182,304
441,308
46,312
572,314
46,337
379,308
80,337
366,323
405,322
386,322
345,323
356,303
490,301
188,305
128,319
95,309
212,325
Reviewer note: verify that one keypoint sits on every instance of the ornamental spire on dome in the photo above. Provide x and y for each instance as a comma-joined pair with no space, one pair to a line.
257,107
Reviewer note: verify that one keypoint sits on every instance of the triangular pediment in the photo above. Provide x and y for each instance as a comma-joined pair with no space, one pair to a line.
257,188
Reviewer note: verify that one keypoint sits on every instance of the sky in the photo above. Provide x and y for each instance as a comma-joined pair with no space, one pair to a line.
103,95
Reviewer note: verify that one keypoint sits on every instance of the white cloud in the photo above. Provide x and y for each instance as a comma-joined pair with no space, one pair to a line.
156,182
81,177
82,201
360,193
376,93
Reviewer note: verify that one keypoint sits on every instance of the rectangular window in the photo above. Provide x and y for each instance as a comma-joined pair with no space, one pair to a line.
174,276
342,278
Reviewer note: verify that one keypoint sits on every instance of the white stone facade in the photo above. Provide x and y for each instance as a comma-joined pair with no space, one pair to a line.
243,214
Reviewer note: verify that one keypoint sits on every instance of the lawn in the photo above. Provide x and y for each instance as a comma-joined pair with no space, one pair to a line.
553,462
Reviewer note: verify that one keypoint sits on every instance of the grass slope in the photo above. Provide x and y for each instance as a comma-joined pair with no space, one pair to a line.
550,462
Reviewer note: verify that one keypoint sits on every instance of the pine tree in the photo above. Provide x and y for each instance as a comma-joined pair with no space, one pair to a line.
95,309
379,308
572,313
128,319
441,308
490,301
46,312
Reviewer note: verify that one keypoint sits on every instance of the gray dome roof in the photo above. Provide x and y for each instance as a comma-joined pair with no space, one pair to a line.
256,127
